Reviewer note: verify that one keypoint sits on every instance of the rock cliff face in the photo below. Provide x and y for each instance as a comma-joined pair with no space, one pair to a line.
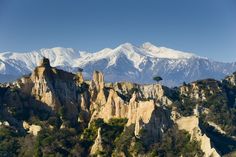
114,107
201,89
145,115
97,91
231,79
98,144
32,129
191,124
56,88
53,100
211,100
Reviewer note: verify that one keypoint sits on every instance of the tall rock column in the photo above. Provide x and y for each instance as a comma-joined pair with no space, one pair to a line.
42,89
96,88
98,145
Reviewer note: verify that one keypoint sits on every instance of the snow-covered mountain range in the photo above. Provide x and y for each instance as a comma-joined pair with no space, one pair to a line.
123,63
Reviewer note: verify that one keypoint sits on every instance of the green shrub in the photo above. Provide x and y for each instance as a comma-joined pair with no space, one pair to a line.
123,141
221,113
176,143
52,142
157,78
117,122
185,105
9,145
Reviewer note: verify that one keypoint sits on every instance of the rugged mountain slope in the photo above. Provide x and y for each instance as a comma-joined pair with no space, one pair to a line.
124,63
60,114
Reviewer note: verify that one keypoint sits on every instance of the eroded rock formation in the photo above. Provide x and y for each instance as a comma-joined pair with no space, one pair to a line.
72,102
191,124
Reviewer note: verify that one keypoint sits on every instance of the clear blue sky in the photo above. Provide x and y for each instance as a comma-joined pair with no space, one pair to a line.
205,27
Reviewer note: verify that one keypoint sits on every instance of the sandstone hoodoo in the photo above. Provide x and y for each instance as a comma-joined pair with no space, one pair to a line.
45,63
53,112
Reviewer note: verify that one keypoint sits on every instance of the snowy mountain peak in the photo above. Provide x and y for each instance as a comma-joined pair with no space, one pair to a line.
126,45
57,49
126,62
147,45
163,52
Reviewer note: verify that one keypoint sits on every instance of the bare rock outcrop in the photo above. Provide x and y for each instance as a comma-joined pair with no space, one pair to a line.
150,109
114,107
147,91
201,89
43,88
56,88
156,92
150,120
141,110
191,124
32,129
231,79
98,144
145,115
79,78
97,92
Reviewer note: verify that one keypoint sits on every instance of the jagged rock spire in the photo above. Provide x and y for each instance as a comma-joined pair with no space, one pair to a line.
79,78
97,89
98,145
45,62
231,79
98,80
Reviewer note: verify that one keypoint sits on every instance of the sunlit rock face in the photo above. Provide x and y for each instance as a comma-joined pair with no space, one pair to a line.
32,129
191,124
97,90
145,115
98,144
231,79
55,88
200,90
150,109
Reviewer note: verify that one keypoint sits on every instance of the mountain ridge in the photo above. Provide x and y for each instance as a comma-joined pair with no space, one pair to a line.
123,63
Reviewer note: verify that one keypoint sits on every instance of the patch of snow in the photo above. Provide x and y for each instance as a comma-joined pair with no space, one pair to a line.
163,52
